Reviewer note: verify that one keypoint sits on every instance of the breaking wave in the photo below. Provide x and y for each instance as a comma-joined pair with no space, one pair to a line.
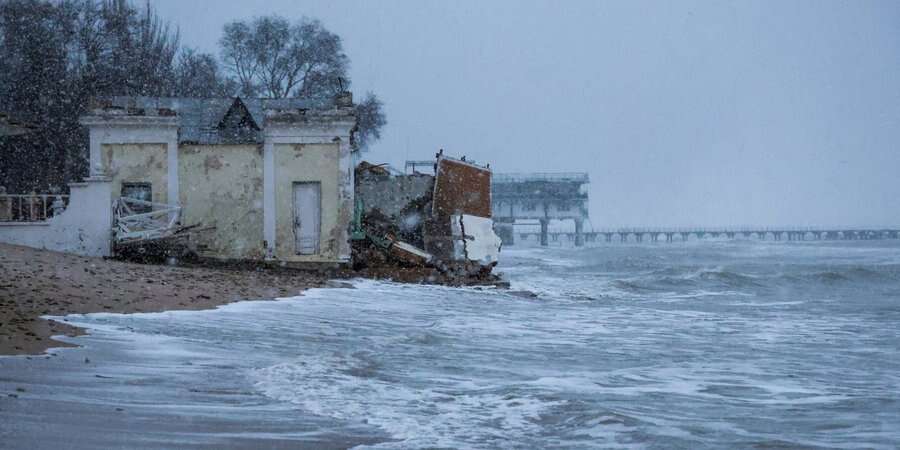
713,280
850,274
351,388
690,278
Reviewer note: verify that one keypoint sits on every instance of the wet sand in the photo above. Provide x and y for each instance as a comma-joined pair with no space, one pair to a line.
35,282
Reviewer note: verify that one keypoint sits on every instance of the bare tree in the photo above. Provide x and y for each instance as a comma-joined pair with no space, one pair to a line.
199,75
54,57
370,120
239,55
275,58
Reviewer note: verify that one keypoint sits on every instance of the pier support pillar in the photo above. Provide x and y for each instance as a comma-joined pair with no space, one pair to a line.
545,225
579,232
506,232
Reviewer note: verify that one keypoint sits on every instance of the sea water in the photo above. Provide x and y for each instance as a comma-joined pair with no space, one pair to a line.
733,344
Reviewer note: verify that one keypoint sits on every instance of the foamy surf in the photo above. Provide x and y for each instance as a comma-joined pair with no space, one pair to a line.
725,345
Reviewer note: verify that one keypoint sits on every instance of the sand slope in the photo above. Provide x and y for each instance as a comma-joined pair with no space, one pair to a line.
38,282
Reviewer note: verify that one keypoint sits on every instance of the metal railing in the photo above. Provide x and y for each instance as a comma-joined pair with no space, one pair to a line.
412,166
576,177
138,220
31,207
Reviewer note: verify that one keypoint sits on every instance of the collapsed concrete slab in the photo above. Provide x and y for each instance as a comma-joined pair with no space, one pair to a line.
441,220
474,239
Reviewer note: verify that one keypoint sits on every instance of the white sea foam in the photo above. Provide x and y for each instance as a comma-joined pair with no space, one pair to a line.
432,417
721,345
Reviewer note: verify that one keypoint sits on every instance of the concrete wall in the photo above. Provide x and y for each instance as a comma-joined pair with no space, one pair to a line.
137,163
391,195
308,162
83,228
221,186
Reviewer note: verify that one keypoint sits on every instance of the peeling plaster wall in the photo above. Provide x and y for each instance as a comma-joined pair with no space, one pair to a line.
83,228
308,162
137,163
222,186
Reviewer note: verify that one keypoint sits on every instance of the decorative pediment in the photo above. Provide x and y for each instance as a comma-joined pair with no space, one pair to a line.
237,124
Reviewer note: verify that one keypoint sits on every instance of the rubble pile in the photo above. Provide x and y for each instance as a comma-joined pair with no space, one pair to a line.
441,221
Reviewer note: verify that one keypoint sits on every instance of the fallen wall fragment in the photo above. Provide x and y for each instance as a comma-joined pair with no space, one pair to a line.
475,240
441,221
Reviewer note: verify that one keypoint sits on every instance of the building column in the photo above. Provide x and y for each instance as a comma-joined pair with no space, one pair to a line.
346,166
545,224
507,233
172,162
96,148
579,232
269,198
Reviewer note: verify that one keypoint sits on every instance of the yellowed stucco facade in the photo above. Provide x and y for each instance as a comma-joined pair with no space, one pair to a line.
241,194
299,163
221,187
137,163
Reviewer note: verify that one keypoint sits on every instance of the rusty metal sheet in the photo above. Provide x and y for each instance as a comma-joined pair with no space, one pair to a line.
461,188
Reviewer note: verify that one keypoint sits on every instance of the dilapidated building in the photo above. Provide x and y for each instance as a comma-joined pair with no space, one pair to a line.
263,179
259,180
268,179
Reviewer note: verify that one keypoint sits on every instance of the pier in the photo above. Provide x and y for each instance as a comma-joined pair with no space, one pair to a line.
542,197
684,234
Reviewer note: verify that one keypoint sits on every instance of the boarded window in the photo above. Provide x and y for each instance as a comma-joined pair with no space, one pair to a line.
138,191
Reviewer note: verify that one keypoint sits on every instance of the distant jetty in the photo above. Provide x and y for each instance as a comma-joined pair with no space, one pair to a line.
762,233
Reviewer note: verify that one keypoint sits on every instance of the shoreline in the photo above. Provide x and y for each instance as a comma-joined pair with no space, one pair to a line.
36,283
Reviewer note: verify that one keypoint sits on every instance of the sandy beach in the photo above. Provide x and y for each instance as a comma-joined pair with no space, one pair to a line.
34,283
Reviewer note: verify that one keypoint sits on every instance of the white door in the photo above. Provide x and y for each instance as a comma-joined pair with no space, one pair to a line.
307,217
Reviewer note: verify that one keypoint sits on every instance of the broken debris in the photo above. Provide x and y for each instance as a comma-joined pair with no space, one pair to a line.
419,220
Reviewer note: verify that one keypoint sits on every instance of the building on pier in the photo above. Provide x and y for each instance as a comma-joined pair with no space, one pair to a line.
539,197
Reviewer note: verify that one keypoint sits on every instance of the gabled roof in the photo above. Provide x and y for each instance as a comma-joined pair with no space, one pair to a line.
200,118
239,111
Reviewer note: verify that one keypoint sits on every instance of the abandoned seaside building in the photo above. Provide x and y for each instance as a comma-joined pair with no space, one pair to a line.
256,179
264,179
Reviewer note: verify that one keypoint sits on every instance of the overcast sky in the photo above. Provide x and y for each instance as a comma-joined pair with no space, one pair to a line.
682,112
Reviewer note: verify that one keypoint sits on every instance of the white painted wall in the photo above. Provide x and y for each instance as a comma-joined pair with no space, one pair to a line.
84,228
474,239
